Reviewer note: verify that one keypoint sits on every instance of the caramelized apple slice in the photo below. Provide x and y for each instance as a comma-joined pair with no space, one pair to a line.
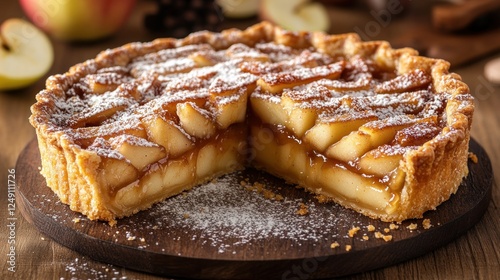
230,109
367,137
205,161
301,115
355,187
195,121
330,129
168,134
269,109
350,147
140,152
382,160
115,173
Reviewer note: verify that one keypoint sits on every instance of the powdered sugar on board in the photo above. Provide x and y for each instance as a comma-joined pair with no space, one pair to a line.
224,209
227,217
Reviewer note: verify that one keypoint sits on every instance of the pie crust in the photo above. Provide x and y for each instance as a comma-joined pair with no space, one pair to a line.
379,130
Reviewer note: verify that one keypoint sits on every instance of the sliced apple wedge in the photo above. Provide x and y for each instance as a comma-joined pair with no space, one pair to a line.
381,161
350,147
301,115
115,173
195,121
269,109
26,54
329,130
296,15
230,109
140,152
168,134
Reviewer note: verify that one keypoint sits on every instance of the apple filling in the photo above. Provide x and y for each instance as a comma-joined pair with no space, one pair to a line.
361,124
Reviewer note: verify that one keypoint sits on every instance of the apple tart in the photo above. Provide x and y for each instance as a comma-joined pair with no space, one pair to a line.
379,130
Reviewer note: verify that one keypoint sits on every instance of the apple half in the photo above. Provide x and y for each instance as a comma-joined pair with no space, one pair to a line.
296,15
26,54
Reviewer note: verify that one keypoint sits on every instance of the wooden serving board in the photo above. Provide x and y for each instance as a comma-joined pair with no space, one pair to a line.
223,230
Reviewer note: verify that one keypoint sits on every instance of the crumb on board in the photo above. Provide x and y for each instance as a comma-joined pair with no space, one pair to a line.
412,226
322,198
426,223
473,157
366,237
348,248
261,189
387,230
303,210
385,237
76,220
393,226
370,228
353,231
334,245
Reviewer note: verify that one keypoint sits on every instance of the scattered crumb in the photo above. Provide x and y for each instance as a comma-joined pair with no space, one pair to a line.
43,238
303,209
261,189
412,226
473,157
131,238
76,220
380,235
322,198
426,223
370,228
334,245
387,238
387,230
186,215
348,248
353,231
365,237
393,226
142,239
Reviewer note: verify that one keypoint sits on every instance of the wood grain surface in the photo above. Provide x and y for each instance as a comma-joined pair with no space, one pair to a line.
474,255
152,242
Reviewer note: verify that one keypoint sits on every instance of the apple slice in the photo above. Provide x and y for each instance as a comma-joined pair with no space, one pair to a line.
296,15
196,121
26,54
239,8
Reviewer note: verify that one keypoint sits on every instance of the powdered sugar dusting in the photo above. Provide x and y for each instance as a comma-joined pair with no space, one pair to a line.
224,210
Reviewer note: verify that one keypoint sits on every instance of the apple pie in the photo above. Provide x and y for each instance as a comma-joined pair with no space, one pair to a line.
379,130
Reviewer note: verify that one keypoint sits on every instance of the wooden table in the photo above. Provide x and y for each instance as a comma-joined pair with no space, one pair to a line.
475,255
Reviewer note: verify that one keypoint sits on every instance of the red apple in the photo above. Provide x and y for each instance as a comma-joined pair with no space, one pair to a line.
78,20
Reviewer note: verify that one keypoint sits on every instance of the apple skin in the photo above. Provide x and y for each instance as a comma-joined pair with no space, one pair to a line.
78,20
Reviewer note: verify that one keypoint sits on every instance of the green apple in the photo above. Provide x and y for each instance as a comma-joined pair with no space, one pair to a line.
78,20
296,15
26,54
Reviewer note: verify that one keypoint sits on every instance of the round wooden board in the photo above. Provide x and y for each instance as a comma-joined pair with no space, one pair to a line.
254,237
